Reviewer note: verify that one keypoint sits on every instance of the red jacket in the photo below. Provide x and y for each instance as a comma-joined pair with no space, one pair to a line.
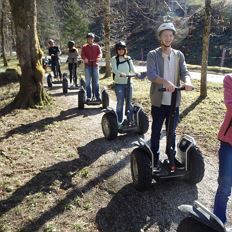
92,53
225,132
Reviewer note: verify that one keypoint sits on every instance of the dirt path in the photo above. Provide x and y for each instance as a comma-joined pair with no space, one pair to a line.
58,173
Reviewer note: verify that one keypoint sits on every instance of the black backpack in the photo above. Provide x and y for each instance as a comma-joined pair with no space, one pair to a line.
118,63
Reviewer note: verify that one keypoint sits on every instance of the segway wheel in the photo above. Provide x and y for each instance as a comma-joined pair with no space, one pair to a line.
196,165
65,85
49,80
141,169
190,224
81,99
82,83
109,126
143,122
105,99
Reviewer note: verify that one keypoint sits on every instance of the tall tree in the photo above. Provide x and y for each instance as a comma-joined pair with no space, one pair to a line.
74,22
205,49
107,36
31,92
3,33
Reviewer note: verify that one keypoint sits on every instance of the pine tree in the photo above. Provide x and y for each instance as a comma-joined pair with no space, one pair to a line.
74,23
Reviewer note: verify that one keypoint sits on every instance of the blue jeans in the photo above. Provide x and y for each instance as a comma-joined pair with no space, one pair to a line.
159,114
121,91
224,181
92,76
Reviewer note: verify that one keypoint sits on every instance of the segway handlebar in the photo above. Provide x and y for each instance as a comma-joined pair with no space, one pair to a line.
141,75
180,88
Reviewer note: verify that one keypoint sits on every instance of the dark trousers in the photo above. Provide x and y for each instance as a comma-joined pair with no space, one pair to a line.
72,67
56,68
159,114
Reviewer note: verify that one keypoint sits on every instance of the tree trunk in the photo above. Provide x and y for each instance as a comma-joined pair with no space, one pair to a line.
205,49
3,40
107,36
29,53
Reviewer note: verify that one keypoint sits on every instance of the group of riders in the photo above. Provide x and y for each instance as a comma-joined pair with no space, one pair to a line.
166,67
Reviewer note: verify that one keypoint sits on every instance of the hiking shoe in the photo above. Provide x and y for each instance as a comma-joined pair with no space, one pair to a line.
178,164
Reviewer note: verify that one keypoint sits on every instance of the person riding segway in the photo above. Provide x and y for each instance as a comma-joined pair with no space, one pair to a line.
166,69
91,54
72,61
136,119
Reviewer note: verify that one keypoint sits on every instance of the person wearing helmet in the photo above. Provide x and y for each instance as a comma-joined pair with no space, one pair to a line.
54,52
166,67
91,54
72,62
122,65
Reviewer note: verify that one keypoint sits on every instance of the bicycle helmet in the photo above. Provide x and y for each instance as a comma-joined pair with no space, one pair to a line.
166,26
120,44
90,35
51,41
71,43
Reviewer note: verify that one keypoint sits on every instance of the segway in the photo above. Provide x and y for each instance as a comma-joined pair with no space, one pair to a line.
191,164
66,85
138,123
82,99
200,219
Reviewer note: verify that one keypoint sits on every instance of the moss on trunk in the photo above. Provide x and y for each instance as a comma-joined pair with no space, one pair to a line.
31,93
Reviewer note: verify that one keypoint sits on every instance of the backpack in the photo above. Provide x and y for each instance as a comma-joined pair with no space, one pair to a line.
118,63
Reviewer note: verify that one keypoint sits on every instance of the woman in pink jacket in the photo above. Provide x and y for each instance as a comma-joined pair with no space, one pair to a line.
225,155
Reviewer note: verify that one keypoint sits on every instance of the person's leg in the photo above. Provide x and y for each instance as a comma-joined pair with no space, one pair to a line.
96,81
70,68
58,69
176,120
120,95
53,66
158,116
130,107
88,81
75,74
224,181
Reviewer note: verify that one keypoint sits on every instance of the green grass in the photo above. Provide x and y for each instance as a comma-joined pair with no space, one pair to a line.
200,118
216,69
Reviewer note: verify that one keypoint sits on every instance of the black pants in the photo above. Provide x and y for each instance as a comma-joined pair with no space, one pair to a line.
72,72
56,68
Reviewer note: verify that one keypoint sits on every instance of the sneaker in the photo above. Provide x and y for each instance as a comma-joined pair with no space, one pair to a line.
178,164
156,168
88,100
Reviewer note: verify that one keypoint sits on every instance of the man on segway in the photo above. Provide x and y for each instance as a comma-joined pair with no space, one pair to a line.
166,67
54,52
91,54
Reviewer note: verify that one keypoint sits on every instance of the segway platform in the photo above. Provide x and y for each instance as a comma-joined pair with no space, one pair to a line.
200,219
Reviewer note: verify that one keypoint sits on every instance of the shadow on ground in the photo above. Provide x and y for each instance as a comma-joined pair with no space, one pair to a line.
42,124
133,211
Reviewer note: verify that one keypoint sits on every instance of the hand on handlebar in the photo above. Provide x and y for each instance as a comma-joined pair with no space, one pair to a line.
169,86
122,74
188,87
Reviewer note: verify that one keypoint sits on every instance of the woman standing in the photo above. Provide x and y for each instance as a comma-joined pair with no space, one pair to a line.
225,155
122,65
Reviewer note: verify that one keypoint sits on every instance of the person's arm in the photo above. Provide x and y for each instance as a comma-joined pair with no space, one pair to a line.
184,73
83,55
227,83
153,76
99,53
132,67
